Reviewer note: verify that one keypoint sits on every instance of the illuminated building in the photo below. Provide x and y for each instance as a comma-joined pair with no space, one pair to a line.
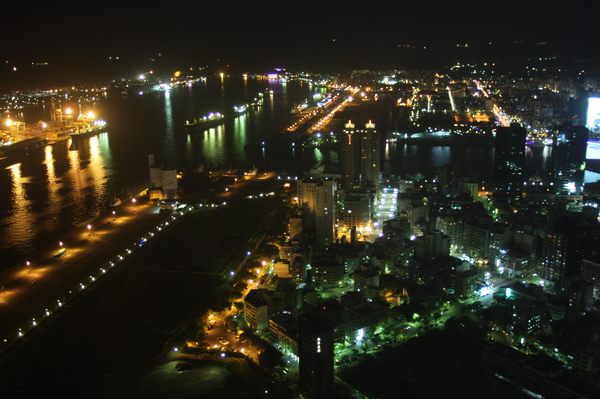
357,211
349,157
369,156
281,268
593,113
554,256
256,311
360,156
476,240
569,154
317,199
327,271
284,328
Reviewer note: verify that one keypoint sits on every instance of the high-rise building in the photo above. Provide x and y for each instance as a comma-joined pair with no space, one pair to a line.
569,154
554,257
318,201
369,156
360,156
509,160
349,157
315,352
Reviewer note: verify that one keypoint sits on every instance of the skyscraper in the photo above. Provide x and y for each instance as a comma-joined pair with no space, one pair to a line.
360,156
509,160
315,350
349,157
569,154
318,201
369,156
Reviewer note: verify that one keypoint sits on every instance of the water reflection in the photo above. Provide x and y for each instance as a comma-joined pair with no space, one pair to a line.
212,147
169,138
53,185
21,221
57,187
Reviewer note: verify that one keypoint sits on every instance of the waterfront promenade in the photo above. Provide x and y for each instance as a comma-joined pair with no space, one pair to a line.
42,284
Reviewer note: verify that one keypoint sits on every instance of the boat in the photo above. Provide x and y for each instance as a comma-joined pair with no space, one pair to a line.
240,109
210,120
216,118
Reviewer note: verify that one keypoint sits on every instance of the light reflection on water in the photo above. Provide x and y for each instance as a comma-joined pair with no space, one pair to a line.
51,191
20,221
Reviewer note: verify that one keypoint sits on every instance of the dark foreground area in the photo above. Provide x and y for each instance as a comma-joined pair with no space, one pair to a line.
134,317
438,364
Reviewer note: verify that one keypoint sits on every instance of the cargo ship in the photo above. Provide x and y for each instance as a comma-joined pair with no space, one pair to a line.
216,118
206,121
87,130
20,138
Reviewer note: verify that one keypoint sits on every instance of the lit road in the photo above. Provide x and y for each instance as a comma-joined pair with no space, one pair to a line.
386,209
33,290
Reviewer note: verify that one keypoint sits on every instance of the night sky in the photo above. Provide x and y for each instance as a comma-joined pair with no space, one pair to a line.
77,39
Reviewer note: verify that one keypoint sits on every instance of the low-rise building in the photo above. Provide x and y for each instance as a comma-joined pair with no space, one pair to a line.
256,311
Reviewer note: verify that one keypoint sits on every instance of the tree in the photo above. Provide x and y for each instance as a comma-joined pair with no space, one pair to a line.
240,286
270,358
234,296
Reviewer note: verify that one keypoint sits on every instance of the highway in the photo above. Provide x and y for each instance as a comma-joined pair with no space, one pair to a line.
34,289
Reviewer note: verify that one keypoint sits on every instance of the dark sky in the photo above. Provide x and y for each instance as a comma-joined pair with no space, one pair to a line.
311,34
